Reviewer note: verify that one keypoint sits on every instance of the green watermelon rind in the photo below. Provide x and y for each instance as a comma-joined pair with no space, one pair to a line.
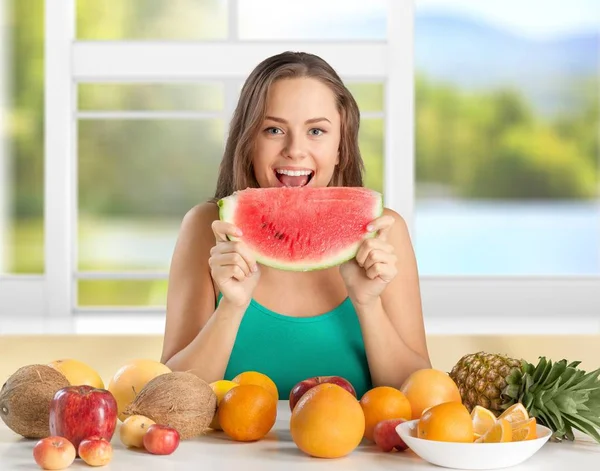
227,207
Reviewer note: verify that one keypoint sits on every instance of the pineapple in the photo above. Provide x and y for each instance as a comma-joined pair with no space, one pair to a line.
560,395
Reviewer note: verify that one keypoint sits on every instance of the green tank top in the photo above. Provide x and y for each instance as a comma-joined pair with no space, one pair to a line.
290,349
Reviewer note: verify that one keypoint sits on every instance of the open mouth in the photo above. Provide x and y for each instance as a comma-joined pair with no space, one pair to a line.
296,177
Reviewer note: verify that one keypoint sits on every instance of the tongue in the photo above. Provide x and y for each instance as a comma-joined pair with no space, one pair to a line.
289,180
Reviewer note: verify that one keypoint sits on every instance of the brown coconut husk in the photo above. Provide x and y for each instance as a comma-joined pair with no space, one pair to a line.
180,400
25,399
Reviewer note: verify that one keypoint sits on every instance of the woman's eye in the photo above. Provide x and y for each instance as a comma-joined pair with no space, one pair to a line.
316,132
273,130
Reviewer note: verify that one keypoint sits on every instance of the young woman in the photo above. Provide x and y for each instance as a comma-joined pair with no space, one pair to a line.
226,314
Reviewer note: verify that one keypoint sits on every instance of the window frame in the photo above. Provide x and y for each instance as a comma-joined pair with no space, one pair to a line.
69,61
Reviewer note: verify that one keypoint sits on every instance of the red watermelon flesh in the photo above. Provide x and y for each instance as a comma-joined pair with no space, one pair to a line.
302,228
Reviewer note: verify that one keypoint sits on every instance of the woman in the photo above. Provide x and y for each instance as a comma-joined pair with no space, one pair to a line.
295,124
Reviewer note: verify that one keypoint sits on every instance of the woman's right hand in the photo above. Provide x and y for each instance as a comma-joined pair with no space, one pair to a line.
232,265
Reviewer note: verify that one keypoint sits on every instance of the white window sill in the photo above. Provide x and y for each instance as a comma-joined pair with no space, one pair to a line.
148,324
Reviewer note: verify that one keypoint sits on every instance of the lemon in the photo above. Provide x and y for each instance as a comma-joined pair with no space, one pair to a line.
220,388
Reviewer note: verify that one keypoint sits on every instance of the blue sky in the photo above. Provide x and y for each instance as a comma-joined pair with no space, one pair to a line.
539,19
535,18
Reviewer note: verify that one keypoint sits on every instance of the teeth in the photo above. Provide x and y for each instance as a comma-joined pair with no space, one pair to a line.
294,173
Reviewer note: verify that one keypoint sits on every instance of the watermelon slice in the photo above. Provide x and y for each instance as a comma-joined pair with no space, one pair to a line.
302,228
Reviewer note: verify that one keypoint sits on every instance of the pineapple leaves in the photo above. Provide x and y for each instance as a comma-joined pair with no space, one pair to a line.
555,411
584,425
527,368
557,370
590,381
540,370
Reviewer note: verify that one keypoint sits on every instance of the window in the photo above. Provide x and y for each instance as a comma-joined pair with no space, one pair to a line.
507,138
484,140
22,230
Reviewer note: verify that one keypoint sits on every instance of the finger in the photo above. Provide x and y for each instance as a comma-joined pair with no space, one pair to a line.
231,258
384,272
222,229
371,244
378,256
228,272
237,246
382,226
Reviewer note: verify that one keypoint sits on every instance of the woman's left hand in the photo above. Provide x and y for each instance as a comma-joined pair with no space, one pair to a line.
374,266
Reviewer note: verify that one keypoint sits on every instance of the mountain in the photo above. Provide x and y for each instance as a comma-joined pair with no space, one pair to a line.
474,55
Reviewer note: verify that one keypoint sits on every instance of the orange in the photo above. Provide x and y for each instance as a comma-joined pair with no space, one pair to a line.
501,432
129,380
427,388
247,412
446,422
483,419
524,430
327,422
515,413
220,388
381,403
260,379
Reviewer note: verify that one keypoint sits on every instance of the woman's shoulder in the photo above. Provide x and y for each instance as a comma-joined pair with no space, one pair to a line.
197,222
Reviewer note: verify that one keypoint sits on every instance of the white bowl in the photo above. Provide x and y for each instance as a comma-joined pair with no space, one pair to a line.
472,455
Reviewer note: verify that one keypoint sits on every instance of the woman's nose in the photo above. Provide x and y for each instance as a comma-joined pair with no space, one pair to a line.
295,148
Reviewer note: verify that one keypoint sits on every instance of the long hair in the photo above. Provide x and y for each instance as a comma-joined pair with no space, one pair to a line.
236,171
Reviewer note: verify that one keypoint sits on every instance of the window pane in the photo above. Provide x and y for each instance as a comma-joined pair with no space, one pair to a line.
154,96
137,179
21,136
507,121
371,147
368,96
122,293
151,19
313,19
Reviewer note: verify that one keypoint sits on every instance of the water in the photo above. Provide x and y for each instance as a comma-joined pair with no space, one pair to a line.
450,238
480,238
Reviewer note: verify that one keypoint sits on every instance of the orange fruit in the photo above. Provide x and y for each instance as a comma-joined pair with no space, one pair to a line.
501,432
247,412
78,373
446,422
483,419
260,379
515,413
327,422
220,388
381,403
524,430
427,388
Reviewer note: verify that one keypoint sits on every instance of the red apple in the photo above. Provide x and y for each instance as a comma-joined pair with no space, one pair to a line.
79,412
95,451
161,439
386,437
54,453
299,389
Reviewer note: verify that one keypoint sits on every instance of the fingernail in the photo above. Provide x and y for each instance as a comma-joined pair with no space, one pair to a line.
369,228
238,232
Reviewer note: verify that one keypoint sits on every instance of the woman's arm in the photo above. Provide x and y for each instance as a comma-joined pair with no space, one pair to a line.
197,338
392,325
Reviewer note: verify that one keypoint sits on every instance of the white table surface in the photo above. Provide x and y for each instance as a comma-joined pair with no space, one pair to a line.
278,452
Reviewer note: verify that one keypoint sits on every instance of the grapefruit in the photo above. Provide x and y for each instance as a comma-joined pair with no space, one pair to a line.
78,373
327,422
129,380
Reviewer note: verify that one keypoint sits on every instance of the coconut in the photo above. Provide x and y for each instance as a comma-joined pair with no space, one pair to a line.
25,399
180,400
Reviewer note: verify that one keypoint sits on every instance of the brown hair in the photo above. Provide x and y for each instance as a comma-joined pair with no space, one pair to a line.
236,171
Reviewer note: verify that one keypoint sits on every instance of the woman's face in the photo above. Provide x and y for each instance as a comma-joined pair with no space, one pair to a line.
298,142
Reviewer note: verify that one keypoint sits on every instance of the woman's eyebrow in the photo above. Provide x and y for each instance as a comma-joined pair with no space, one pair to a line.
308,121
